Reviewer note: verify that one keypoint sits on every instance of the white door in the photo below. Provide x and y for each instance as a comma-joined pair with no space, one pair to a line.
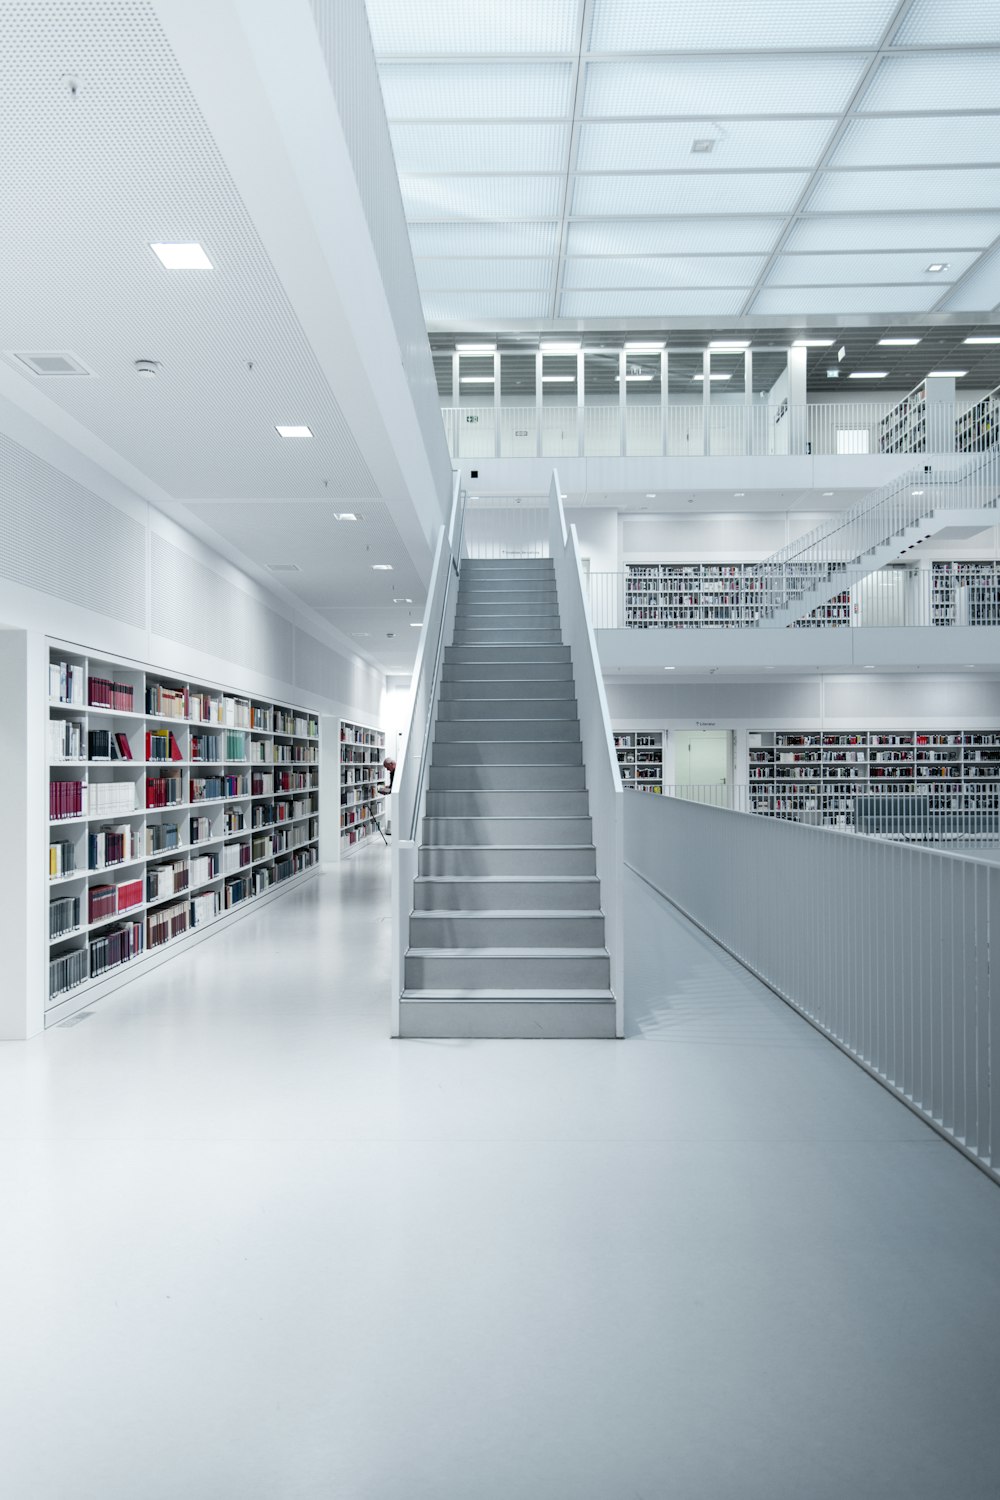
701,764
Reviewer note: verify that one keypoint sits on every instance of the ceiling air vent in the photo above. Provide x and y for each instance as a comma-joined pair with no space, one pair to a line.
53,363
284,568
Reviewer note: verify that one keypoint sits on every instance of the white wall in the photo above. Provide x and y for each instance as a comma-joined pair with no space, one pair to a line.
714,537
598,533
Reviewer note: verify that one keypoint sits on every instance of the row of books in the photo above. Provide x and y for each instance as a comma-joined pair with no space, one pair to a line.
166,702
66,683
106,744
162,791
113,900
204,867
65,739
161,744
110,846
66,799
208,788
234,857
166,880
116,947
102,692
110,797
67,971
62,859
286,722
64,916
169,922
219,748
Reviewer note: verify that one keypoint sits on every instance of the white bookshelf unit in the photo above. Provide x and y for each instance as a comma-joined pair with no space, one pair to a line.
172,804
362,751
699,596
640,759
817,777
965,593
904,427
976,429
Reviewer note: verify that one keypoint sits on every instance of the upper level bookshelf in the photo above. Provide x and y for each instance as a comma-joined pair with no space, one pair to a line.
640,759
698,596
965,593
171,804
903,429
976,429
362,751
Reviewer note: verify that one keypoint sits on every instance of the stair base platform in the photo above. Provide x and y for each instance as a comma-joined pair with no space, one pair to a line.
507,1014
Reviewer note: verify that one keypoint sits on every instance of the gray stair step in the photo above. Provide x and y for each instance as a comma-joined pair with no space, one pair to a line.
481,567
505,830
486,593
507,804
557,1014
507,893
507,729
506,671
506,654
488,707
512,778
490,616
518,688
508,636
486,752
506,929
465,861
472,969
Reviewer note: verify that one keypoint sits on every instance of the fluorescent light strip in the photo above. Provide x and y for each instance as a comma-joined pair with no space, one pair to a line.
187,257
899,343
475,348
732,344
292,432
478,379
720,376
344,515
381,567
982,340
647,348
554,346
868,375
945,374
634,377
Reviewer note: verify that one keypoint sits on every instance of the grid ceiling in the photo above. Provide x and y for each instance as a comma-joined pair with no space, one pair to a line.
614,159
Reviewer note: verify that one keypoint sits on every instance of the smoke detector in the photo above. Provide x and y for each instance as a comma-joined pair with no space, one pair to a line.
148,368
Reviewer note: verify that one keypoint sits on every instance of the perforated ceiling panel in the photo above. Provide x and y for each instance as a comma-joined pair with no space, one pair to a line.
105,152
191,604
698,127
61,538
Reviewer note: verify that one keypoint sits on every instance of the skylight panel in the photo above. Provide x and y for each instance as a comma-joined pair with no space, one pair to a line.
934,80
940,189
705,303
672,236
664,271
442,26
931,21
423,149
487,275
895,232
481,197
665,146
485,239
845,299
866,269
471,91
750,192
918,142
692,25
706,87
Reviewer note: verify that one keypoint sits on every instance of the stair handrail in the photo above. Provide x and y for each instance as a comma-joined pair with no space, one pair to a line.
408,786
603,776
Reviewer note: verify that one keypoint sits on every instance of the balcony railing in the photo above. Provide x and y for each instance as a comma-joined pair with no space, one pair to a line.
682,431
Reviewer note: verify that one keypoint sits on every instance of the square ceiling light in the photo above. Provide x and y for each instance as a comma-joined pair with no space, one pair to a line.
696,26
182,257
477,91
752,84
293,431
473,26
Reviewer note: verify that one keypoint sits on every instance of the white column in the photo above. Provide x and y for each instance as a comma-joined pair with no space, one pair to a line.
24,752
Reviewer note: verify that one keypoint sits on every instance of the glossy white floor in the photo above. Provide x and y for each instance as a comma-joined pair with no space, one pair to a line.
251,1248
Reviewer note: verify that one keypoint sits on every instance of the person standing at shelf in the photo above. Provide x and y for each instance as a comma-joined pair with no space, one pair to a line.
385,787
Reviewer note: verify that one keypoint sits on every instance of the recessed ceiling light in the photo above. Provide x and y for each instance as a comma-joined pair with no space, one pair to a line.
916,492
828,494
833,374
738,494
188,257
938,265
670,669
292,432
841,352
733,344
955,374
640,347
344,515
381,567
629,375
899,343
416,624
360,633
868,375
559,346
402,601
650,497
869,669
982,339
811,343
703,144
476,348
719,376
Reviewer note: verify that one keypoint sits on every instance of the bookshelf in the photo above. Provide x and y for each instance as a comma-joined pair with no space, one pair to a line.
903,429
171,803
700,596
640,759
976,429
362,751
815,776
965,593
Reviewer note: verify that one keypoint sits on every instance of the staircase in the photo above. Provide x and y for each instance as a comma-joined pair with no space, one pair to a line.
507,933
883,527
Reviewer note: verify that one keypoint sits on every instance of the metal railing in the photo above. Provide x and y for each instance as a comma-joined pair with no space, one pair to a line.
408,788
506,528
696,429
690,597
928,802
889,948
